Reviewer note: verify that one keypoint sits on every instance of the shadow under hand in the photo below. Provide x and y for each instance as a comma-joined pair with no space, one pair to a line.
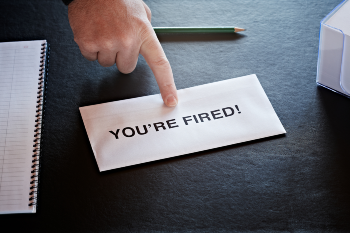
108,84
179,37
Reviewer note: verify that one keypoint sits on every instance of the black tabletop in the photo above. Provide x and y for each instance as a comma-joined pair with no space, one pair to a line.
296,182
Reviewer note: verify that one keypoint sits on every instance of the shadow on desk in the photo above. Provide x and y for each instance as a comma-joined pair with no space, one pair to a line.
108,84
336,114
193,155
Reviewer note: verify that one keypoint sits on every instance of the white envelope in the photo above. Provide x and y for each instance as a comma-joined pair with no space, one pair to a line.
139,130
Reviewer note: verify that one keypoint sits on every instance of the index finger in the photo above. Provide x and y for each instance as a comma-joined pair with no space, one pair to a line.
155,57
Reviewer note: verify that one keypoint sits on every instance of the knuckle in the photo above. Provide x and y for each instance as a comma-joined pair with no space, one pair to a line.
161,62
169,85
127,43
141,22
86,45
145,30
107,44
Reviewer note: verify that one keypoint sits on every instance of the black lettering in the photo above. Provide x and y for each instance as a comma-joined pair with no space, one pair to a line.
216,114
144,127
195,118
115,134
132,132
186,120
237,109
201,117
226,114
171,124
161,125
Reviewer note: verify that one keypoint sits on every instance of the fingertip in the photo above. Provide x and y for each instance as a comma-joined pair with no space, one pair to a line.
171,101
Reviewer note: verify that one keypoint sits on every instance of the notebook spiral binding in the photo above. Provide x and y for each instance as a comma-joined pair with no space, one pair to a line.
39,124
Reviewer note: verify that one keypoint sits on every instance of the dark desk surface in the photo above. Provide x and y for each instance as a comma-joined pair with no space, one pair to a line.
297,182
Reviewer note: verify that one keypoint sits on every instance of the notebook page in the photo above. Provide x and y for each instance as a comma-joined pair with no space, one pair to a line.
19,73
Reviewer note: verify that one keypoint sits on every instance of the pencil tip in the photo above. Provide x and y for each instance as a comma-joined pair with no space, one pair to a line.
240,29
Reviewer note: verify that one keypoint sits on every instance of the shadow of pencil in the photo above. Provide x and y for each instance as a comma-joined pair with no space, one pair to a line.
178,37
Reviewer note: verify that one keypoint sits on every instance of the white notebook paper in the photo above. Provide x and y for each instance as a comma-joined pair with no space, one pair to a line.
22,79
139,130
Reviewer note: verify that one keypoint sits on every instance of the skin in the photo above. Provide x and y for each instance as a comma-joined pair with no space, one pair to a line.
116,32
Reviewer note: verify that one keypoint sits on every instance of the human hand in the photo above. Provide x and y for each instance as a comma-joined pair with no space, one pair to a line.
116,31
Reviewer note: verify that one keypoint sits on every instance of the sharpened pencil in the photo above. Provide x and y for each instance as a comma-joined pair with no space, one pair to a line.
224,29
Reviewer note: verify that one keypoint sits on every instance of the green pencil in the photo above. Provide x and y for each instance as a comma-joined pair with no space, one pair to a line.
224,29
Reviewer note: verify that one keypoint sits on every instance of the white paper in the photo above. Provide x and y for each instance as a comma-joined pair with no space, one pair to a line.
253,118
19,74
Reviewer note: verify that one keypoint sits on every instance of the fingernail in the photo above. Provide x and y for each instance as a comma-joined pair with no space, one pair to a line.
171,101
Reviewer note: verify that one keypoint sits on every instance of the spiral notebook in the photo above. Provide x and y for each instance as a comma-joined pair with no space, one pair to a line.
23,71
